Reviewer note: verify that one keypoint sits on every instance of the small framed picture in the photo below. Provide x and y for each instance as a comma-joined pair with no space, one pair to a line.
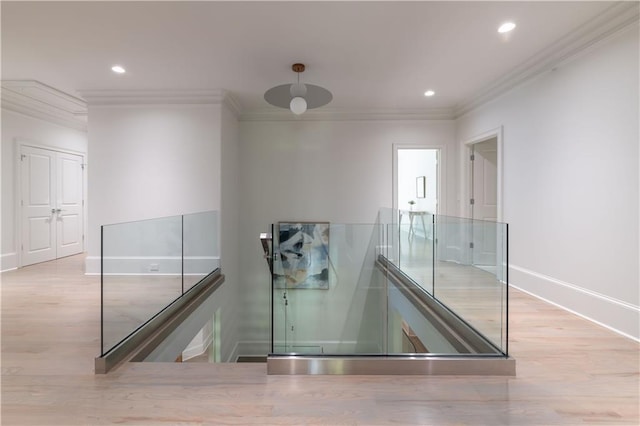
421,184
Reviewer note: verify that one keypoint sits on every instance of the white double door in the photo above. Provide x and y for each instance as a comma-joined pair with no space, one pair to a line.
52,188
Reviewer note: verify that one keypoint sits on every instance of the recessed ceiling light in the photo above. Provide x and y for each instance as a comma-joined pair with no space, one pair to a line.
429,93
506,27
118,69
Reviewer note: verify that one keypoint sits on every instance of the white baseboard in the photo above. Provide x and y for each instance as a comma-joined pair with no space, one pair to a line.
92,265
233,356
384,249
149,265
197,348
452,254
8,262
250,348
613,314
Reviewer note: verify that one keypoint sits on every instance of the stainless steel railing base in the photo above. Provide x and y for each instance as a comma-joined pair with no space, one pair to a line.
381,365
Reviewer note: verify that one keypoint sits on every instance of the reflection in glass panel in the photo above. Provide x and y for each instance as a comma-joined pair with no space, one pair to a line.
409,331
201,252
441,287
389,239
470,273
343,317
146,266
416,241
142,273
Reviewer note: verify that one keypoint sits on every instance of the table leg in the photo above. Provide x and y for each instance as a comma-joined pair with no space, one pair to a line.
411,231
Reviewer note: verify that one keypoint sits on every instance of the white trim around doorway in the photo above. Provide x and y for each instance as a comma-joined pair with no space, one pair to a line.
466,153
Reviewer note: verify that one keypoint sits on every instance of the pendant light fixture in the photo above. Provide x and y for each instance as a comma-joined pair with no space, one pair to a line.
298,97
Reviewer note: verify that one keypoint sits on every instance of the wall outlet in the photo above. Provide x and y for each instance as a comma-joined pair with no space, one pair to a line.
154,267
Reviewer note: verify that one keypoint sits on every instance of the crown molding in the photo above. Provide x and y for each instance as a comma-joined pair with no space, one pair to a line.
612,21
232,104
154,97
37,100
337,114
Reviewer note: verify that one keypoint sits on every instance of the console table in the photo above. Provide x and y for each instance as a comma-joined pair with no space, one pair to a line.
412,214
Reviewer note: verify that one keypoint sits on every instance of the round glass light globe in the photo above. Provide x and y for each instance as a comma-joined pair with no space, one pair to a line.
298,105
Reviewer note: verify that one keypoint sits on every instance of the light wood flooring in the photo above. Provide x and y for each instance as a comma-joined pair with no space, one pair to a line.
129,302
474,294
570,372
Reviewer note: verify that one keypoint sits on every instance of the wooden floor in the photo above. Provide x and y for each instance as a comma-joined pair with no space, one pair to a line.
474,294
570,372
130,300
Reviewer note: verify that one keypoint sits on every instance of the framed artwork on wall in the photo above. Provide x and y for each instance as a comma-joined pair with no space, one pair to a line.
421,185
302,256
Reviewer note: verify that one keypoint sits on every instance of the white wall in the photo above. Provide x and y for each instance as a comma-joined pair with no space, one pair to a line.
232,310
19,127
163,160
200,343
336,171
571,182
148,162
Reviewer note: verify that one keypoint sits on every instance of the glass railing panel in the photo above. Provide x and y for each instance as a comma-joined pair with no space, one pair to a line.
141,274
327,296
452,271
471,274
201,246
416,242
409,331
390,234
502,278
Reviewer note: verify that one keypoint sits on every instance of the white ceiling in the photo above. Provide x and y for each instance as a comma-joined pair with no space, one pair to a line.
371,55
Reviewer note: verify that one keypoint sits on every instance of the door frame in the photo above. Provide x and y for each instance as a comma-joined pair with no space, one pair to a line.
441,206
468,175
17,175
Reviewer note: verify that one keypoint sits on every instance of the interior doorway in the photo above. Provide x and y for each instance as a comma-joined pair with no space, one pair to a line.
484,166
485,199
51,204
418,179
484,180
416,198
484,202
417,189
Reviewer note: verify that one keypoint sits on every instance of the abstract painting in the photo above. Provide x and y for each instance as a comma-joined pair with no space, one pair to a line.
302,256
